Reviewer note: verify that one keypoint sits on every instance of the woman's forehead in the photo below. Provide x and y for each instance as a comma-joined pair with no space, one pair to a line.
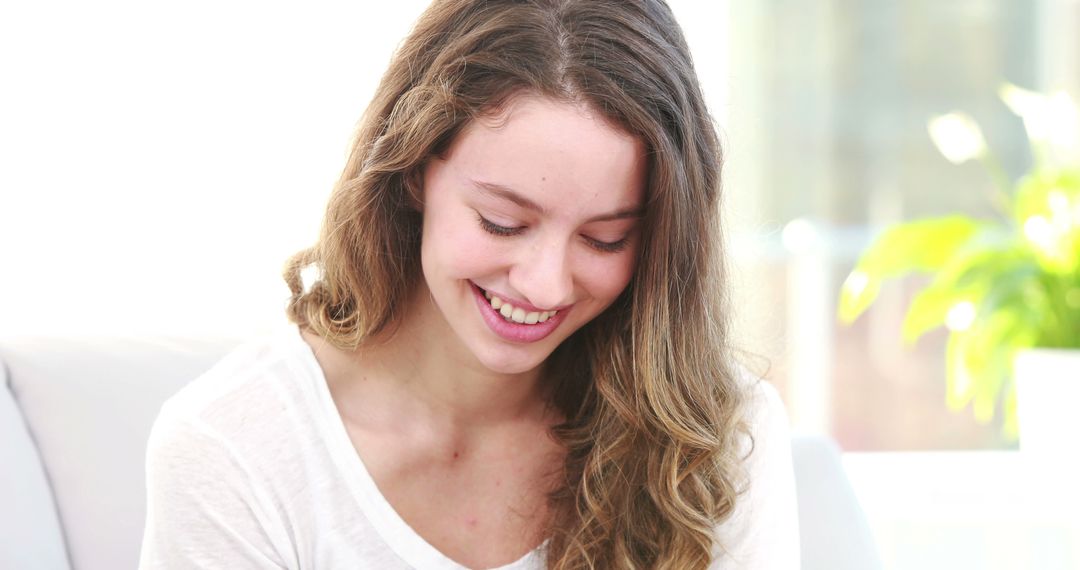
550,150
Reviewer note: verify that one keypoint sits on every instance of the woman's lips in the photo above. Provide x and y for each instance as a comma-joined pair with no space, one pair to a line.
512,331
519,304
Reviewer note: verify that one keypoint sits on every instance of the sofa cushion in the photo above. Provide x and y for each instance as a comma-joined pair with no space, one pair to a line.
88,405
28,523
832,527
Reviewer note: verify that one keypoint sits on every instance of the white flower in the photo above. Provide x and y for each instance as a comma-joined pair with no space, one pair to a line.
1051,119
957,136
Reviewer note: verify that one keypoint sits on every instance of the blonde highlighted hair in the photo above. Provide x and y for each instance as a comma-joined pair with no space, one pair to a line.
654,414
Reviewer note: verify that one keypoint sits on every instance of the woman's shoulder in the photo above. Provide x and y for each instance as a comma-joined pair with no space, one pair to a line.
225,461
765,409
248,390
763,530
768,445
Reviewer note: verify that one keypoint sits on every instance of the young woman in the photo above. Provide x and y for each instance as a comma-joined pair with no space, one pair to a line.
510,348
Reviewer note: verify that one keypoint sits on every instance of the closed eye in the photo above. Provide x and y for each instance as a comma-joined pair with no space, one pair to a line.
608,246
496,229
510,231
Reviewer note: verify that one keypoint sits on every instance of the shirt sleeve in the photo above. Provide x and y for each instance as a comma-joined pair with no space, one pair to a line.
763,531
205,508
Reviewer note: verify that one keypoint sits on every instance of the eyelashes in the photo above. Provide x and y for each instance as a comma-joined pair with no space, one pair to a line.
608,246
495,229
507,231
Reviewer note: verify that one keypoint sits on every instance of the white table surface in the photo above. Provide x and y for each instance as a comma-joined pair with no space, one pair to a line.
971,509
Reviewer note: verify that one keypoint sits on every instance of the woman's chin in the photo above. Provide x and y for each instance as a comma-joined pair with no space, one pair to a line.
510,364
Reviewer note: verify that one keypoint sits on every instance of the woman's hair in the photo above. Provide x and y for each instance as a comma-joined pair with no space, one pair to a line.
654,414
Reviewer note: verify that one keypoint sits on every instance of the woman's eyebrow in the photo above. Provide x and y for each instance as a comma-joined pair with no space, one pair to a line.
627,214
504,193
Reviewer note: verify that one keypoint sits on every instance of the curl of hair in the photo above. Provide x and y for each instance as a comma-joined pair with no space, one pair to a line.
654,413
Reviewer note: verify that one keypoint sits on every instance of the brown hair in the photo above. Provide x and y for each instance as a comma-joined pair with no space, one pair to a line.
654,412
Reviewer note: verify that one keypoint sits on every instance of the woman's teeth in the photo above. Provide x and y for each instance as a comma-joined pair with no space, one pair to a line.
517,314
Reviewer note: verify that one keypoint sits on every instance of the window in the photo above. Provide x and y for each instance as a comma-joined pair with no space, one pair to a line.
827,125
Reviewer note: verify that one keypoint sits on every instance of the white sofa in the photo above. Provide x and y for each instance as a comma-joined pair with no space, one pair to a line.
74,419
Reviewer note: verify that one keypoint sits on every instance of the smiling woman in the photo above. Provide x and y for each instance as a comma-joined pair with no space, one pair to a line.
514,353
556,244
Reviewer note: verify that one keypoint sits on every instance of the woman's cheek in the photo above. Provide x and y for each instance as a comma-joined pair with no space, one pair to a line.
473,255
610,278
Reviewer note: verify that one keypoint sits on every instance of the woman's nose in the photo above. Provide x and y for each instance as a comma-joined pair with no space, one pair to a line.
543,275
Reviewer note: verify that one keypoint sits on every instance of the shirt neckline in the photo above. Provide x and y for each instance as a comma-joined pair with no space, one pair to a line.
414,549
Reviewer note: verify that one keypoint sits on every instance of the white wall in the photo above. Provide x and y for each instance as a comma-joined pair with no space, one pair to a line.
161,160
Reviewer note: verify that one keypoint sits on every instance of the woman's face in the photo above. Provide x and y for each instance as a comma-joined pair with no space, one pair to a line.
531,228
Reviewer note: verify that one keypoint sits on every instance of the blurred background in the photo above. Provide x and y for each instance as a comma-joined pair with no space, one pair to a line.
159,161
827,123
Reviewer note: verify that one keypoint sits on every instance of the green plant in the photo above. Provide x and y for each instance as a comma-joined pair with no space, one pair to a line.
999,285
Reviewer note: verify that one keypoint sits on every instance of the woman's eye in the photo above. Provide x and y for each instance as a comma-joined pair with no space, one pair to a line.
509,231
608,246
495,229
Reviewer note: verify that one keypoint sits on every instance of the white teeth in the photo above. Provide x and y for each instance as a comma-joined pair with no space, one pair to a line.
517,314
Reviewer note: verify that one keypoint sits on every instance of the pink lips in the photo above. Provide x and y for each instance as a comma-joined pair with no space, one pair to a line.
511,331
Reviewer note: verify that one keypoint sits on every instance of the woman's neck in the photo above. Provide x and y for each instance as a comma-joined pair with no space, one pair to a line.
422,371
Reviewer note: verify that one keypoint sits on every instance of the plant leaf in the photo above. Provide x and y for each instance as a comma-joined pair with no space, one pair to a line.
958,389
979,360
988,358
1047,209
929,308
917,246
988,261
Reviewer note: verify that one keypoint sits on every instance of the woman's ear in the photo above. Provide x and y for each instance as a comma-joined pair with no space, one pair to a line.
414,189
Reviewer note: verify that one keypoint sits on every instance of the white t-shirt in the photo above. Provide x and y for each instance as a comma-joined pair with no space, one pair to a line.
250,466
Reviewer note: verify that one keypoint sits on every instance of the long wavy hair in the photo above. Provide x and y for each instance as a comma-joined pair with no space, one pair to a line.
654,414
